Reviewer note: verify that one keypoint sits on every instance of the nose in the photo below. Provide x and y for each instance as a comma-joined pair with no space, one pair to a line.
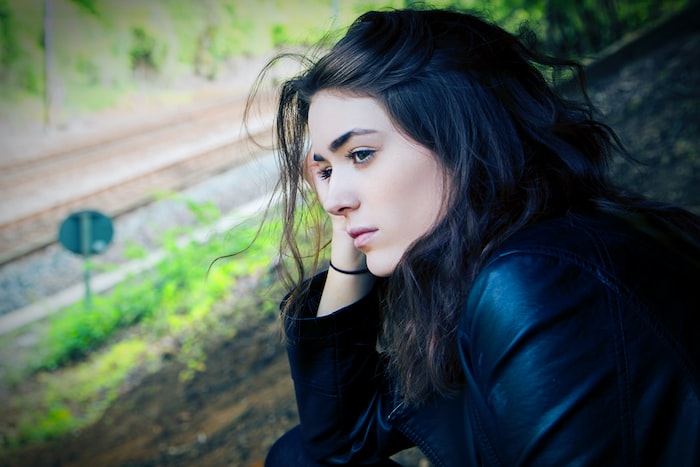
341,196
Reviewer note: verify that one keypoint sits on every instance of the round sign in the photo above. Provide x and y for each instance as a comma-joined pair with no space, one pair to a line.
86,232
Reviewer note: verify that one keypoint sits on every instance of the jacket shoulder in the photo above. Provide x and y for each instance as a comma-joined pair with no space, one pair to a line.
555,341
636,257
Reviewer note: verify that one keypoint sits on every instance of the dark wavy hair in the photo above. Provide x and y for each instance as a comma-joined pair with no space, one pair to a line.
514,152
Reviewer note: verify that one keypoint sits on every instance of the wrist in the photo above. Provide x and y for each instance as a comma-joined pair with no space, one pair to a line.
349,272
344,256
341,290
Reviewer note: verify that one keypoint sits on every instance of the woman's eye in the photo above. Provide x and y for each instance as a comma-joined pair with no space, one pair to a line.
325,173
361,156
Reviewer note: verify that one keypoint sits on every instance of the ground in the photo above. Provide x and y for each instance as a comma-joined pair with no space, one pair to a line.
230,413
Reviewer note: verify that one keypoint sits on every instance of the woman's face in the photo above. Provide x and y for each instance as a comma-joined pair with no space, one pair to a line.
387,188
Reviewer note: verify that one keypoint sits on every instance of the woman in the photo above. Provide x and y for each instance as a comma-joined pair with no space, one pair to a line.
491,298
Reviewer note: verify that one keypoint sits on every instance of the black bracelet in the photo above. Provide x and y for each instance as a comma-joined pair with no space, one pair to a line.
352,273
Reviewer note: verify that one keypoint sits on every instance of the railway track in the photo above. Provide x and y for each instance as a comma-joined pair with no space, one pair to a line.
119,172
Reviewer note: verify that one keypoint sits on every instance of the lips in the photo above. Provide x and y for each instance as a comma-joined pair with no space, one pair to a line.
361,236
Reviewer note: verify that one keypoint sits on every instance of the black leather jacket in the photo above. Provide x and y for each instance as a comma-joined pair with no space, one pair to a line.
580,343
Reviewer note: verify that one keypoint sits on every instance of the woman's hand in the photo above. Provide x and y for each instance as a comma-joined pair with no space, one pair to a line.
340,289
344,255
343,252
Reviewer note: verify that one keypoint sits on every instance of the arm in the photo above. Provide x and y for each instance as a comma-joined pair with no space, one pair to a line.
341,393
339,380
341,290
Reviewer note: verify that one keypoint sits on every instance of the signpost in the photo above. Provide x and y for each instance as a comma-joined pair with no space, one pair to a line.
86,233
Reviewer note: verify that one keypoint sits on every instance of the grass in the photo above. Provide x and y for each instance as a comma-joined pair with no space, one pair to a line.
85,357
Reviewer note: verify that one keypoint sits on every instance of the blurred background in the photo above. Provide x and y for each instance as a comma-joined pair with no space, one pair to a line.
122,120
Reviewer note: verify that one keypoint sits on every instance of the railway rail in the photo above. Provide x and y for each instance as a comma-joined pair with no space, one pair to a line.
119,172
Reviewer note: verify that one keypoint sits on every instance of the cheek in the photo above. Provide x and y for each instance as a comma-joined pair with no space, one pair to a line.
421,193
411,208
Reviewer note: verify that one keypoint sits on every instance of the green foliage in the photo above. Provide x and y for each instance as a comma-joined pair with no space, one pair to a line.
89,6
87,353
20,75
576,29
99,45
9,50
80,394
88,70
168,296
143,50
279,35
56,419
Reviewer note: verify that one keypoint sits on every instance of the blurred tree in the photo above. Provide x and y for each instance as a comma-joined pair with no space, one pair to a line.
9,50
172,38
587,26
88,5
571,28
205,64
143,53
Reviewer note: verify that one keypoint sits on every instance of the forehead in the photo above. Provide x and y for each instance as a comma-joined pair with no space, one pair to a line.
334,113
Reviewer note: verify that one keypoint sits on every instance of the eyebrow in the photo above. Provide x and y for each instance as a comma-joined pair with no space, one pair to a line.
341,140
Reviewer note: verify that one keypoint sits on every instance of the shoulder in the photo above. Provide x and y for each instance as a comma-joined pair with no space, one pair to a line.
551,257
557,321
574,279
634,257
539,287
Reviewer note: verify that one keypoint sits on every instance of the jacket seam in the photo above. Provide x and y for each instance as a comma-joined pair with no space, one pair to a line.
623,294
604,276
484,440
622,357
425,448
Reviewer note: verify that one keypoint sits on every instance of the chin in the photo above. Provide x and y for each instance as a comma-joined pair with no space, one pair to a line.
380,268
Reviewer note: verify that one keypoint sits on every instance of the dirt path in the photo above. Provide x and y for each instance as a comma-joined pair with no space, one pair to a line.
231,413
227,415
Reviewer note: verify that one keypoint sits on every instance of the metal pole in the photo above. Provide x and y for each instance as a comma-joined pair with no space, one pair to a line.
49,58
85,236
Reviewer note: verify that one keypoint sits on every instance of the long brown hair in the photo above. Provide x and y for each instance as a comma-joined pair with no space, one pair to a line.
514,151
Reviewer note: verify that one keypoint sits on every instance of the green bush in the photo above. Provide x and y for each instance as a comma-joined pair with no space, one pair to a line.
143,50
9,49
87,352
168,294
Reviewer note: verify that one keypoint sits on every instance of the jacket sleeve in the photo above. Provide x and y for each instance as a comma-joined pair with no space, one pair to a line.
341,392
542,349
